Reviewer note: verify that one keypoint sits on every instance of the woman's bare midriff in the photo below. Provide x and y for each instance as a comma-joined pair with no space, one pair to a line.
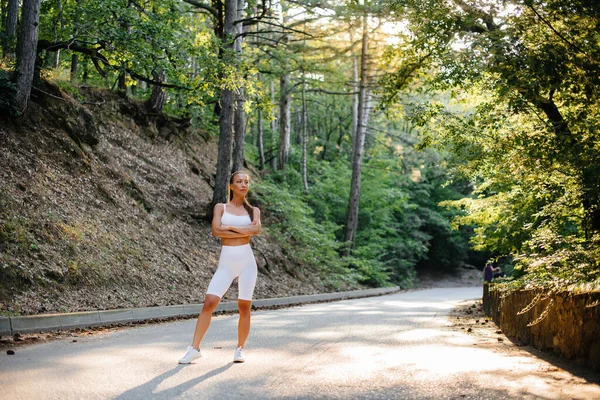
235,242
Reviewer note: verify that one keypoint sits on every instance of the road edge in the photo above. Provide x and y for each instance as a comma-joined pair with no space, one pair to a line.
65,321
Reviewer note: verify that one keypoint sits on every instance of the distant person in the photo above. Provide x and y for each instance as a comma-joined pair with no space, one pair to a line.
498,273
234,222
488,272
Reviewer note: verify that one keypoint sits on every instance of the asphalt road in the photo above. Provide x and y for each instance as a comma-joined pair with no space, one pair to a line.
394,346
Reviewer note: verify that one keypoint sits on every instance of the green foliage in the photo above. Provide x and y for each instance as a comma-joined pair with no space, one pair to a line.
7,95
401,226
302,238
143,40
555,263
521,123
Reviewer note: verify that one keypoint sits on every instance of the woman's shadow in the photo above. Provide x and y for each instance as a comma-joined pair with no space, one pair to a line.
146,390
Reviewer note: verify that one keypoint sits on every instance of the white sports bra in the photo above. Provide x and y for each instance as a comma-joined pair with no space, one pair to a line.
234,220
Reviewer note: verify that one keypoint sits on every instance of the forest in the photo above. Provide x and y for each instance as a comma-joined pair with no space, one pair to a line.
391,136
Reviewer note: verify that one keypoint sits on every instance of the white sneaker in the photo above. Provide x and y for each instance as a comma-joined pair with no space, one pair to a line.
238,356
190,355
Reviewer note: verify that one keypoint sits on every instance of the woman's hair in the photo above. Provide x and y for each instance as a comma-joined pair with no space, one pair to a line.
246,205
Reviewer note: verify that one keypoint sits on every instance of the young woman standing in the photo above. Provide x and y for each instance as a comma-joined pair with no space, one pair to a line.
234,222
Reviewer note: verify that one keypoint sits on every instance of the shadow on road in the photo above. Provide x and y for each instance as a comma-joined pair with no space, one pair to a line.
147,389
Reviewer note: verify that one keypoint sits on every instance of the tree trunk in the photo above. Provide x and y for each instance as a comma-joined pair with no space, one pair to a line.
158,96
57,25
589,174
259,134
122,85
27,52
226,111
74,56
355,100
56,59
273,126
359,142
304,136
239,128
284,121
12,16
239,120
194,68
297,126
122,88
74,65
342,130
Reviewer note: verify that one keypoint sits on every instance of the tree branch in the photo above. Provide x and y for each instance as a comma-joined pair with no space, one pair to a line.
97,58
564,39
255,19
72,45
203,6
285,29
319,90
487,18
153,82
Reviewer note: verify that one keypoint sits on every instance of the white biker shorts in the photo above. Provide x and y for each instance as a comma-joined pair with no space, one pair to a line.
235,262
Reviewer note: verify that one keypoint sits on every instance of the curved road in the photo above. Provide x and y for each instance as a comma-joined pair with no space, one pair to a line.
395,346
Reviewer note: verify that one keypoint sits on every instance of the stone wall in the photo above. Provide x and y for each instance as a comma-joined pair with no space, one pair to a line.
566,323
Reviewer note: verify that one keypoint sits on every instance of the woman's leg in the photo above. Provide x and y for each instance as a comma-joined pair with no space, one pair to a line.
217,287
246,283
244,322
210,303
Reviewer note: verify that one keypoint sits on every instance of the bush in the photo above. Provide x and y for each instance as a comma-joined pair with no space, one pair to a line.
8,91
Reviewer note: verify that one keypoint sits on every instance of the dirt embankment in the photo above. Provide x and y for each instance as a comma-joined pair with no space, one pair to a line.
104,206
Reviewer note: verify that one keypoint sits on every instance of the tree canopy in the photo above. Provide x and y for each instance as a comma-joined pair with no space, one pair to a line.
522,124
394,135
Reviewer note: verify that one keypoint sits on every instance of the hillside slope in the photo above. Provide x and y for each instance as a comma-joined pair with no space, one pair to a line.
103,206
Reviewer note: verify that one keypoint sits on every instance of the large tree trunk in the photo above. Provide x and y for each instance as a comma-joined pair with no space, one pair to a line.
27,52
10,28
304,136
239,120
226,112
359,142
284,121
156,102
239,127
355,100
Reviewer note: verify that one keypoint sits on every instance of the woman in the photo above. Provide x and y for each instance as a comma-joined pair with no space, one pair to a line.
234,222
